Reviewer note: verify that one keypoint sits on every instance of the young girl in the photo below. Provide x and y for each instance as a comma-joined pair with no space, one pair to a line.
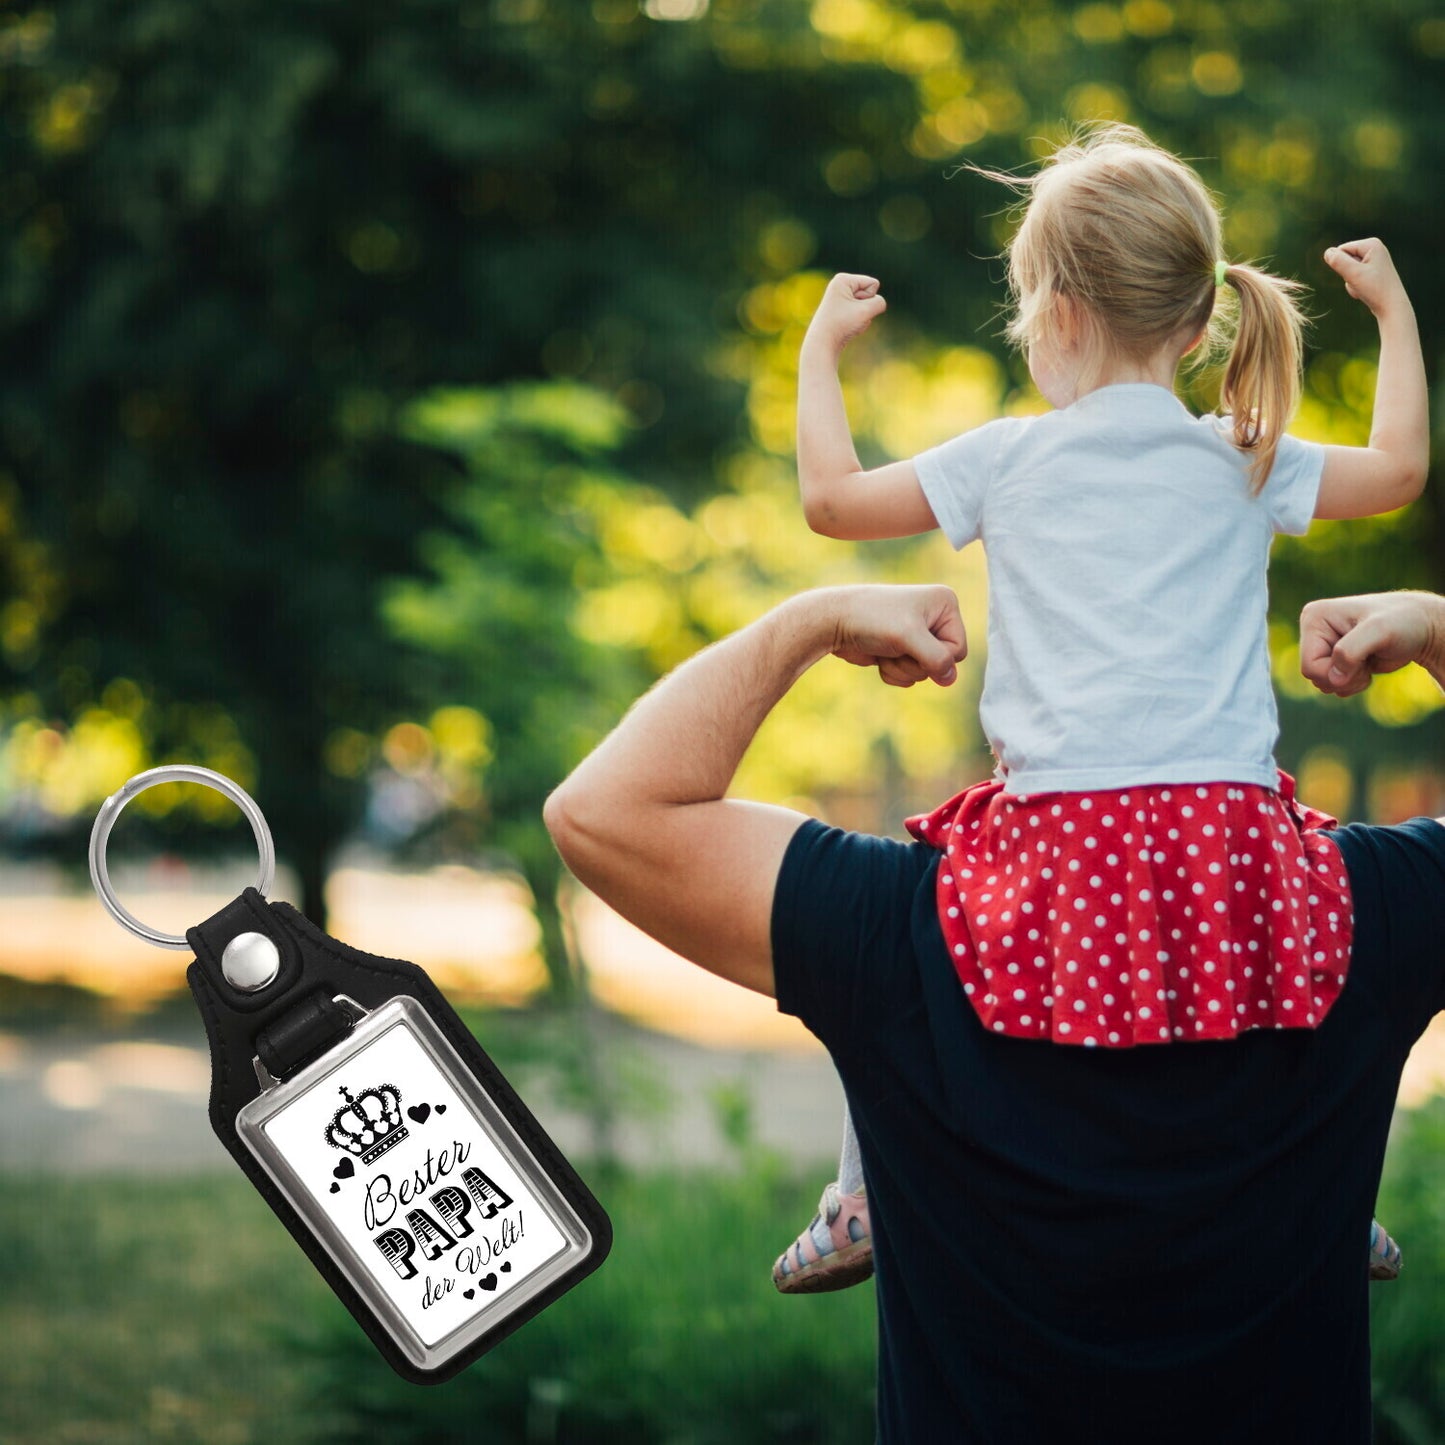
1138,871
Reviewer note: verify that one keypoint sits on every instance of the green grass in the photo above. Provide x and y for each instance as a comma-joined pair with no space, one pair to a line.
680,1338
149,1312
179,1311
160,1312
1407,1324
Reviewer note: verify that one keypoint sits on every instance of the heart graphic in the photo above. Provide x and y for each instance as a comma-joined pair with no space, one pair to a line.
488,1281
345,1169
468,1293
507,1267
419,1112
336,1189
441,1108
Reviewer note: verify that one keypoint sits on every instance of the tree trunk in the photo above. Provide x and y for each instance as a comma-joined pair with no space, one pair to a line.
892,786
557,955
310,865
570,991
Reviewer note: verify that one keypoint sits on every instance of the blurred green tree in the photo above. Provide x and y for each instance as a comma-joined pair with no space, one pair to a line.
492,618
240,238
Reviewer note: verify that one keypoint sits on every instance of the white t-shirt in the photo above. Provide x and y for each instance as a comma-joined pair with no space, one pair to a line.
1127,595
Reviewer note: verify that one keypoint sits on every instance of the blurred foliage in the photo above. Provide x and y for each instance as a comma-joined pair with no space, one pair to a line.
536,1050
652,1348
490,618
1405,1326
123,1324
32,1008
391,389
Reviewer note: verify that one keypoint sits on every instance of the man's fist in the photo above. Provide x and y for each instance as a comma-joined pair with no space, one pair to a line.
907,633
1346,641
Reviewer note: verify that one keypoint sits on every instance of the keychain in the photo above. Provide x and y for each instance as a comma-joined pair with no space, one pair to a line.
372,1123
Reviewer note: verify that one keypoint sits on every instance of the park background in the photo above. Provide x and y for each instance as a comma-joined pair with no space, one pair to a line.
390,390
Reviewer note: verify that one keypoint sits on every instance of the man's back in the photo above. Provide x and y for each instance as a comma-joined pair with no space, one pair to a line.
1163,1243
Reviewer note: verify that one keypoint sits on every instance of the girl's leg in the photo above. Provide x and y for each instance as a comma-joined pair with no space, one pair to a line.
836,1249
850,1162
1385,1258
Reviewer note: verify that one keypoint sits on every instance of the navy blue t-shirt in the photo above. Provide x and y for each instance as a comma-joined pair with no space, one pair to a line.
1164,1243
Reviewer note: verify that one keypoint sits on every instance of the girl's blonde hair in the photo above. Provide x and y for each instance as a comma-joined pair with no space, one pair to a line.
1130,235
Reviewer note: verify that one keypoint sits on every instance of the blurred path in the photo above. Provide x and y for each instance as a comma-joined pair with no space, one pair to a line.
77,1102
473,931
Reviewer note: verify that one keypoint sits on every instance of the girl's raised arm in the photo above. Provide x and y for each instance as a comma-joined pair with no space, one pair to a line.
1390,472
840,499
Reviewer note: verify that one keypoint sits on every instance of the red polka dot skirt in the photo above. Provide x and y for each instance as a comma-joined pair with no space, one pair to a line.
1142,915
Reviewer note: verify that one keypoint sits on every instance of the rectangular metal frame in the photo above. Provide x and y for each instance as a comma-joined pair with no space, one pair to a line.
404,1012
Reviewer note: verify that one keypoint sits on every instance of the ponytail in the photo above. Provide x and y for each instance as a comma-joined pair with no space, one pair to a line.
1261,386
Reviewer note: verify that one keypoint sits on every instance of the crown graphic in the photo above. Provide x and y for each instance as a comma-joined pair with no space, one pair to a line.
369,1124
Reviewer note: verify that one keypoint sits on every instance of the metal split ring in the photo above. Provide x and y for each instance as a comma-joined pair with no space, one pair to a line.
174,773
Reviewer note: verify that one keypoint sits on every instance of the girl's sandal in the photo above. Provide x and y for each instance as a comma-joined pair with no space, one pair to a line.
1385,1256
805,1269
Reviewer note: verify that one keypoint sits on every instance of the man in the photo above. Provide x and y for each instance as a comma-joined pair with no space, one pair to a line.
1155,1244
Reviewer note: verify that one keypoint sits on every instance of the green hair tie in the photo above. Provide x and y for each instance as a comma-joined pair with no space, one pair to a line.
1220,267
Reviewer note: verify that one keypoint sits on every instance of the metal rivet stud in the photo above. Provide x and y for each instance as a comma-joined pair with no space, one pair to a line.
250,962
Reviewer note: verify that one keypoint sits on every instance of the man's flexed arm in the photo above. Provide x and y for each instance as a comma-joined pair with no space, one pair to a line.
643,821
